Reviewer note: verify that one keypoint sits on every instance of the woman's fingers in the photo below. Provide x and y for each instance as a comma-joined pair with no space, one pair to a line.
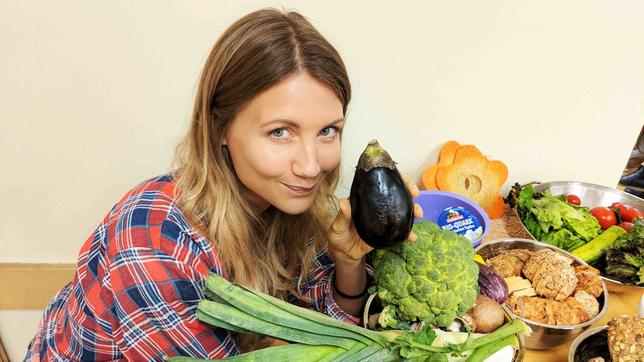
412,237
413,189
344,241
418,211
342,222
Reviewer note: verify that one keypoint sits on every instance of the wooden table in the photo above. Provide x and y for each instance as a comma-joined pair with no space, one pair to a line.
618,303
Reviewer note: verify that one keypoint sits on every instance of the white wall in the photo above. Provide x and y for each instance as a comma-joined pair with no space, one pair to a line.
94,95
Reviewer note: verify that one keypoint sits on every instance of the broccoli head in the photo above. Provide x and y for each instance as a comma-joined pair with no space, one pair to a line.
433,279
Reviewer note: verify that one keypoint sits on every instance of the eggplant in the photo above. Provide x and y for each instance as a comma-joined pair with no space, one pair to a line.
491,284
381,205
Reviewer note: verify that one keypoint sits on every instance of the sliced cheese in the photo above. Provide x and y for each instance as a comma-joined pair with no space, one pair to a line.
528,292
517,283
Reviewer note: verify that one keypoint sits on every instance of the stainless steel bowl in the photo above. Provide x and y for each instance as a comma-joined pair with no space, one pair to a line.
592,195
544,336
580,339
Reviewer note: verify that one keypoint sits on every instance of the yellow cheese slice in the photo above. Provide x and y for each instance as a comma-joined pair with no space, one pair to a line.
517,283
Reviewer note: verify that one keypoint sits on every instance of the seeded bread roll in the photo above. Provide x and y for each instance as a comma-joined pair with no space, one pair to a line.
509,263
551,274
588,280
590,303
626,338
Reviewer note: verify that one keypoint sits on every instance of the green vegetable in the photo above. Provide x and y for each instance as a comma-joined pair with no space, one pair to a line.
319,337
275,317
433,279
289,352
592,251
625,258
554,221
482,346
489,349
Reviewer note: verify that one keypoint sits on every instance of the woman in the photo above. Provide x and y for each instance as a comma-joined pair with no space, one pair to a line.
251,198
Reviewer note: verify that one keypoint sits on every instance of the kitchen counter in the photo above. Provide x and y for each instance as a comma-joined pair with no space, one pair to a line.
618,303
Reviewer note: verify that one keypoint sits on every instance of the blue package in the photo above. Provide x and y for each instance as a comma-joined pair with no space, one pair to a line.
460,221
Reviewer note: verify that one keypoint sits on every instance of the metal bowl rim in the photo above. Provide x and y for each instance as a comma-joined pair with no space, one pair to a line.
570,327
615,281
582,337
583,183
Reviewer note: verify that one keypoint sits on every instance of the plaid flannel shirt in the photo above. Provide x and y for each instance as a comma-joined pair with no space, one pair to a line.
139,278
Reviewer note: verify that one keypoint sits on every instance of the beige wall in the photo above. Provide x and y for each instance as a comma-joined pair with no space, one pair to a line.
94,95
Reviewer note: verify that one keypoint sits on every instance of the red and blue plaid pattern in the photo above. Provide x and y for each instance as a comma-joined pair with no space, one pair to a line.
139,278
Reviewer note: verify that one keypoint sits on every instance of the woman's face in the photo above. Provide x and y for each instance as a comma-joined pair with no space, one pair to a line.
284,141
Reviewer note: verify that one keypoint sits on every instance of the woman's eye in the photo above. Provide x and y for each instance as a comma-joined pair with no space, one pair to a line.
329,131
279,133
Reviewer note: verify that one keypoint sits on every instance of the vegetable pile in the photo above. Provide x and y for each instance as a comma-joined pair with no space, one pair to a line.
318,337
625,257
433,279
609,238
555,221
618,213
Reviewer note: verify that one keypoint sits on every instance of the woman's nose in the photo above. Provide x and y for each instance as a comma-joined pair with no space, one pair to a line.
306,161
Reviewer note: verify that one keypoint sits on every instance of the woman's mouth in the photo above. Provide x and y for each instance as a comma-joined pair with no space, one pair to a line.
300,191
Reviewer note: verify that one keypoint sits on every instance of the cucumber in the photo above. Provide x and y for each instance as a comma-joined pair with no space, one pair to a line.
594,249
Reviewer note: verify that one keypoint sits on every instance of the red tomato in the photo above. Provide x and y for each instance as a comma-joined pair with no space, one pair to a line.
626,212
573,199
628,226
605,216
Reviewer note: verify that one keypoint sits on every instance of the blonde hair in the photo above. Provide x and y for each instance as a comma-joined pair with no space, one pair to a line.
264,251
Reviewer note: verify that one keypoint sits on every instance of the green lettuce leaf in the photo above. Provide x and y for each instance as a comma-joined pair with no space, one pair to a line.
553,220
563,239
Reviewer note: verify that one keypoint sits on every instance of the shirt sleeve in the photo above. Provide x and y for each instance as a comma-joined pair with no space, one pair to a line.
155,301
317,287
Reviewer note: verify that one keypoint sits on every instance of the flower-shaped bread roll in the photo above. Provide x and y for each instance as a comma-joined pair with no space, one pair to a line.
474,176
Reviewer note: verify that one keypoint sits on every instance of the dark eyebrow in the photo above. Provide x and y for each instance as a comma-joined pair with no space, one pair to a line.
293,124
280,120
335,123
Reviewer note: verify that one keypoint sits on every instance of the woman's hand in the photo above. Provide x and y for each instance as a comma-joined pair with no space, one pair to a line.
345,246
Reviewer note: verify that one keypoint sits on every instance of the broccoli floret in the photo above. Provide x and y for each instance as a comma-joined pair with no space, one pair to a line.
387,317
433,279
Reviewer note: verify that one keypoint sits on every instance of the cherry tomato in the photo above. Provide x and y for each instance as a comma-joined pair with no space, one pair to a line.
605,216
626,212
628,226
573,199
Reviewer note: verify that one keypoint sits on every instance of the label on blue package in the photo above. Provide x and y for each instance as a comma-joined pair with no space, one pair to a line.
460,221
